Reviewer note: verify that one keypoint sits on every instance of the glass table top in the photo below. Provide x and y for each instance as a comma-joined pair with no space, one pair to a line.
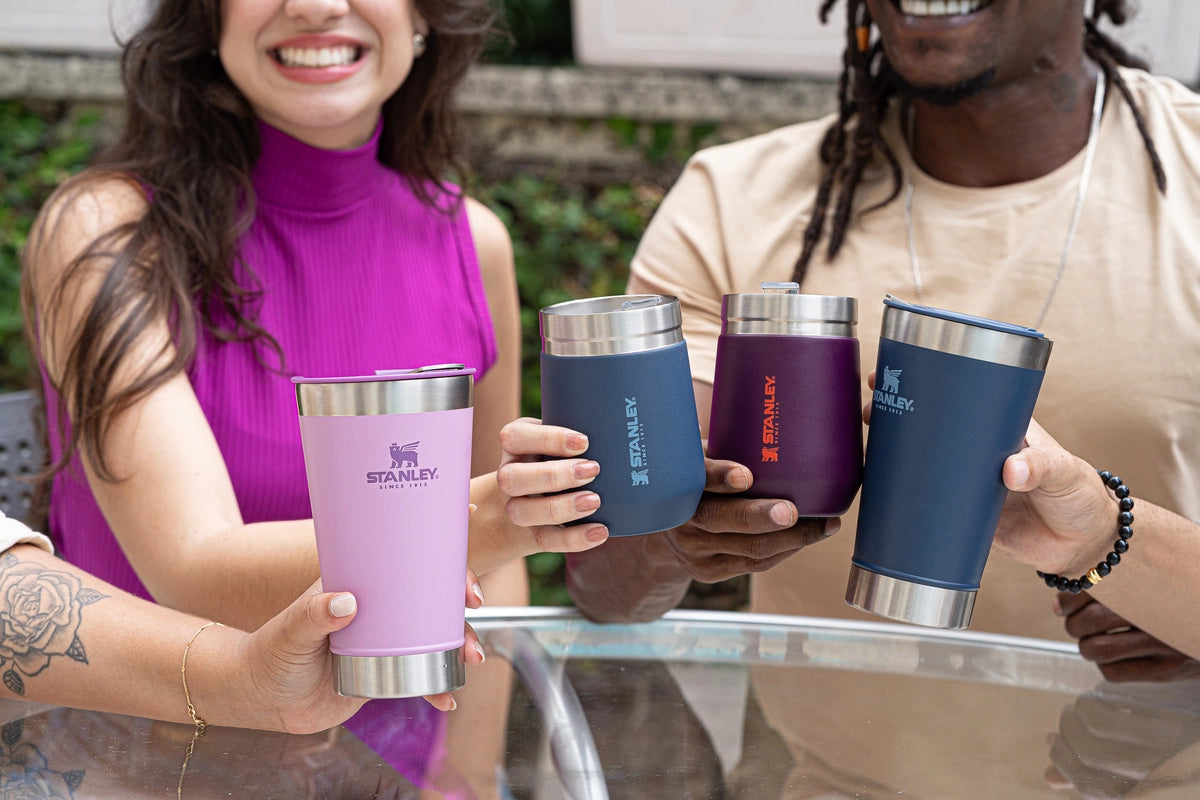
694,705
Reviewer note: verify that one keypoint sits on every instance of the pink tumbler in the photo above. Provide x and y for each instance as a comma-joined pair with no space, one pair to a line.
388,458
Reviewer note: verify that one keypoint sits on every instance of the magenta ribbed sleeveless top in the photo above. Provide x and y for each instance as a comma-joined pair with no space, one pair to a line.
356,274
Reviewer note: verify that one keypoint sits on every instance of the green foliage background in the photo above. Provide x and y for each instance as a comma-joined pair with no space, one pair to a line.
534,32
39,148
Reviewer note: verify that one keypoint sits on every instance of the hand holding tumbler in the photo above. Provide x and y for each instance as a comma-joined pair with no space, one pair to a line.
616,369
954,395
787,397
388,458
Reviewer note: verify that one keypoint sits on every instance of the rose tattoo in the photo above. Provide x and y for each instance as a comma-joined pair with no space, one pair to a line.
40,612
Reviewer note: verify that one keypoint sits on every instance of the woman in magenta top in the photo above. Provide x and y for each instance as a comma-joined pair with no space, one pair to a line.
277,204
358,274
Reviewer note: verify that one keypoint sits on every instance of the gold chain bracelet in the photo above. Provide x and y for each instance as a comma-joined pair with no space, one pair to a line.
187,696
197,721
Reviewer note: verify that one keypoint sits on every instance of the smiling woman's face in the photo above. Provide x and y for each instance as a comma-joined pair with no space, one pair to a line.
319,70
953,42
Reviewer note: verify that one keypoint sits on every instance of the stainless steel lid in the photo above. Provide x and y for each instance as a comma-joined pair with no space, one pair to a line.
437,387
780,309
413,675
602,326
965,335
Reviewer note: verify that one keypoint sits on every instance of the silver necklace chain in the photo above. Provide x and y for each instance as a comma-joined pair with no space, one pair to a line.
1088,157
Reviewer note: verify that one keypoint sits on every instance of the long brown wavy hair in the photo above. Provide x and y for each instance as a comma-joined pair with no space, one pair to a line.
864,88
190,140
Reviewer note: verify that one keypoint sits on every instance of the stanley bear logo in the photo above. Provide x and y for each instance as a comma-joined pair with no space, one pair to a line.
891,380
640,477
770,454
887,397
402,455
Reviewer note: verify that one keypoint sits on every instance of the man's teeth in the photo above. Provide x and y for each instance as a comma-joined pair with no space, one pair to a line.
317,56
940,8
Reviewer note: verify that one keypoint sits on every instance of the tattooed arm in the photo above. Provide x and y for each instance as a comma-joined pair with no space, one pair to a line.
68,638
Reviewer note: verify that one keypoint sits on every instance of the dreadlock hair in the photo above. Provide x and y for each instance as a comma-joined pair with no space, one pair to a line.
864,88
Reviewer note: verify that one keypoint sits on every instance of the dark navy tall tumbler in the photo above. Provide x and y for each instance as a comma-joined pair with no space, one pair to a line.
616,369
787,397
953,398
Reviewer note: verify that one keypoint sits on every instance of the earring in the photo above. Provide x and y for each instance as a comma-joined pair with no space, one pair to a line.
418,44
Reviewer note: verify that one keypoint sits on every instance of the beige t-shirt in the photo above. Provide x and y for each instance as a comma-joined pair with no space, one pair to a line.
1122,389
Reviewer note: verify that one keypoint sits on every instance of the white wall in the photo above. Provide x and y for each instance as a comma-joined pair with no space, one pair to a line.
1167,34
749,36
785,37
67,25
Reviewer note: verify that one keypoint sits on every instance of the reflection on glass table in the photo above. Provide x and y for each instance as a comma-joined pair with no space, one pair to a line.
743,706
695,705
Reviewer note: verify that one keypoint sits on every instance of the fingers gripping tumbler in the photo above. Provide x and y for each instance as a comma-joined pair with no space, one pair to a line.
787,399
954,395
616,369
388,458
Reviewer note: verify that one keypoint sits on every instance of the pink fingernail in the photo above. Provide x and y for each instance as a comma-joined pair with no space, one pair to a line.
587,501
343,605
587,469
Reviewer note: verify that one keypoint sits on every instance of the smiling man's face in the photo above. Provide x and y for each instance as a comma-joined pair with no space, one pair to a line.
946,49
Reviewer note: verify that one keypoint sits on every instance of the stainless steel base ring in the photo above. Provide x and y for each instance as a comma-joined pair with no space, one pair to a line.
908,601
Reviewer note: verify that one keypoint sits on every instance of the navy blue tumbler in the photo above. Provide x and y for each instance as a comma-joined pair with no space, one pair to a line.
616,369
953,398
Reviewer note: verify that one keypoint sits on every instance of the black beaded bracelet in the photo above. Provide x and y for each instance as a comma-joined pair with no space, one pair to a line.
1120,546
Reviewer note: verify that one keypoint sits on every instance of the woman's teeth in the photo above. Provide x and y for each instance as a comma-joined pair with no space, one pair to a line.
317,56
940,8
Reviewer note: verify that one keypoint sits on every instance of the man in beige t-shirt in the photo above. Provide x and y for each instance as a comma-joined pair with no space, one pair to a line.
987,200
974,191
1122,389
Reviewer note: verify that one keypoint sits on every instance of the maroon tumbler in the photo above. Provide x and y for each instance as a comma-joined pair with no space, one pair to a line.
787,400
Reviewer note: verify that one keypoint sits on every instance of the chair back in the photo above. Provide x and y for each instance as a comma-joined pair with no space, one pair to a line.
21,452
